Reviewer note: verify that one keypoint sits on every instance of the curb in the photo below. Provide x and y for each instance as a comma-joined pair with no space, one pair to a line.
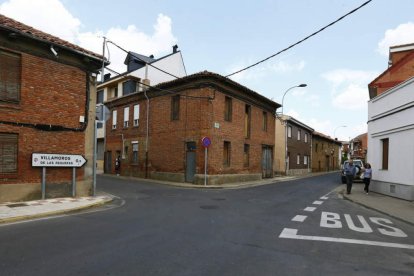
52,213
223,186
346,197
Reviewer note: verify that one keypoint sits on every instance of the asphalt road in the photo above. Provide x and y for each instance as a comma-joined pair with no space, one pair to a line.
163,230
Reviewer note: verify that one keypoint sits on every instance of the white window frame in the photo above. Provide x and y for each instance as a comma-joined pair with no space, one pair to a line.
299,134
126,117
306,137
136,115
289,132
298,159
114,118
305,160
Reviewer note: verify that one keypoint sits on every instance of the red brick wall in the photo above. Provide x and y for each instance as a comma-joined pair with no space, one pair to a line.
167,146
51,93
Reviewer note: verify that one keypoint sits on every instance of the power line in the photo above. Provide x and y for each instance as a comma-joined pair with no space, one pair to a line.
165,72
300,41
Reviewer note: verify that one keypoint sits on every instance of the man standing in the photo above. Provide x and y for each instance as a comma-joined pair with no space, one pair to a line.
350,172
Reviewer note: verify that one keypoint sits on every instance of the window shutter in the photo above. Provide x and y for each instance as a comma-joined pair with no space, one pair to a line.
9,77
114,115
8,153
126,114
136,112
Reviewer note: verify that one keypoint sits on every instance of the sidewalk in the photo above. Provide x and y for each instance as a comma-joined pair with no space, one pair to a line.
394,207
17,211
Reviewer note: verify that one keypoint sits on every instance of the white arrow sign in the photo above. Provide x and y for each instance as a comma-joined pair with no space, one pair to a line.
57,160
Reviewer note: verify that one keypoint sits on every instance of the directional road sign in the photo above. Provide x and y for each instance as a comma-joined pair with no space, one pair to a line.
57,160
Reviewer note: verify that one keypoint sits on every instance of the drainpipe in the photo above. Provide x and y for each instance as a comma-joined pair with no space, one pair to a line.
148,107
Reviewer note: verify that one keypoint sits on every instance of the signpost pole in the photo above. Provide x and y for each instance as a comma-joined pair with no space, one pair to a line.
43,182
205,167
94,158
73,182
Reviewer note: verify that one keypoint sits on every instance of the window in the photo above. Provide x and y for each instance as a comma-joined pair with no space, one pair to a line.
136,115
135,152
126,117
125,156
246,155
316,147
8,152
299,133
247,115
306,137
264,124
228,109
305,159
175,107
289,132
298,159
114,115
226,153
128,87
100,97
385,152
10,67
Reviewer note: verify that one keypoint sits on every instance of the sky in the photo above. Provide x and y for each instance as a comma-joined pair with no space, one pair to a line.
225,36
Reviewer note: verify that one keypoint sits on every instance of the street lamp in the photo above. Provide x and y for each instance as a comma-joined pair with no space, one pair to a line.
283,98
336,129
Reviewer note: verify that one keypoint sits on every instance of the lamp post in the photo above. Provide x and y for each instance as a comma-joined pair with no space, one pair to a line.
283,98
336,129
286,127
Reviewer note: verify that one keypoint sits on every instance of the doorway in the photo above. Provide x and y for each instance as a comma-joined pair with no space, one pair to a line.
190,161
267,161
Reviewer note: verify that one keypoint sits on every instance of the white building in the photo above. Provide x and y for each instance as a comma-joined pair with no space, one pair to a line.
391,141
141,70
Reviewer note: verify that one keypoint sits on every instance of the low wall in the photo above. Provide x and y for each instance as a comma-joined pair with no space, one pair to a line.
32,191
393,189
226,178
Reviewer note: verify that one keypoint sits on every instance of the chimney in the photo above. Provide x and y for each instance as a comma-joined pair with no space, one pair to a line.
107,76
151,56
175,48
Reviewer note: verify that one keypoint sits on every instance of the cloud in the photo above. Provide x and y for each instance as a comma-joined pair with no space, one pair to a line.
47,15
403,34
40,14
353,97
263,70
349,88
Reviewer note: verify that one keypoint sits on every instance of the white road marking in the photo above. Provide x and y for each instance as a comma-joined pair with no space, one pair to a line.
310,209
299,218
324,197
289,233
317,202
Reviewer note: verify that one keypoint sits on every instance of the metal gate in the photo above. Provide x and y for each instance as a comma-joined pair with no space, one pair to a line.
267,161
190,161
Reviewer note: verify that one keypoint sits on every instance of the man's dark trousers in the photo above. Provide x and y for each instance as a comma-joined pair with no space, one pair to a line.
349,180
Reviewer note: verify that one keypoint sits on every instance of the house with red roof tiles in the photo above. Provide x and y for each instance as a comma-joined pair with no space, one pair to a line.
47,106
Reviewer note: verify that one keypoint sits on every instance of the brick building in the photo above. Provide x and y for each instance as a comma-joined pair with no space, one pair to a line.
359,147
47,100
293,146
400,68
238,121
326,153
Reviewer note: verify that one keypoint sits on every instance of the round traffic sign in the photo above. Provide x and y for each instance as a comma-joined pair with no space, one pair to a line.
206,142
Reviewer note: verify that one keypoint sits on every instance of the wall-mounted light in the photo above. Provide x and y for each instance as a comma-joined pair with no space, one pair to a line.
53,51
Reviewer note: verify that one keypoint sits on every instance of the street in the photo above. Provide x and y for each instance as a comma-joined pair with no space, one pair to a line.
296,227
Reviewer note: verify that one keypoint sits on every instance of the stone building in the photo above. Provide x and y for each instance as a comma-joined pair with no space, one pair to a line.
47,105
158,133
326,153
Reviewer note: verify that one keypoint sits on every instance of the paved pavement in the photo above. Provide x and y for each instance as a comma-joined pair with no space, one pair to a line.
16,211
